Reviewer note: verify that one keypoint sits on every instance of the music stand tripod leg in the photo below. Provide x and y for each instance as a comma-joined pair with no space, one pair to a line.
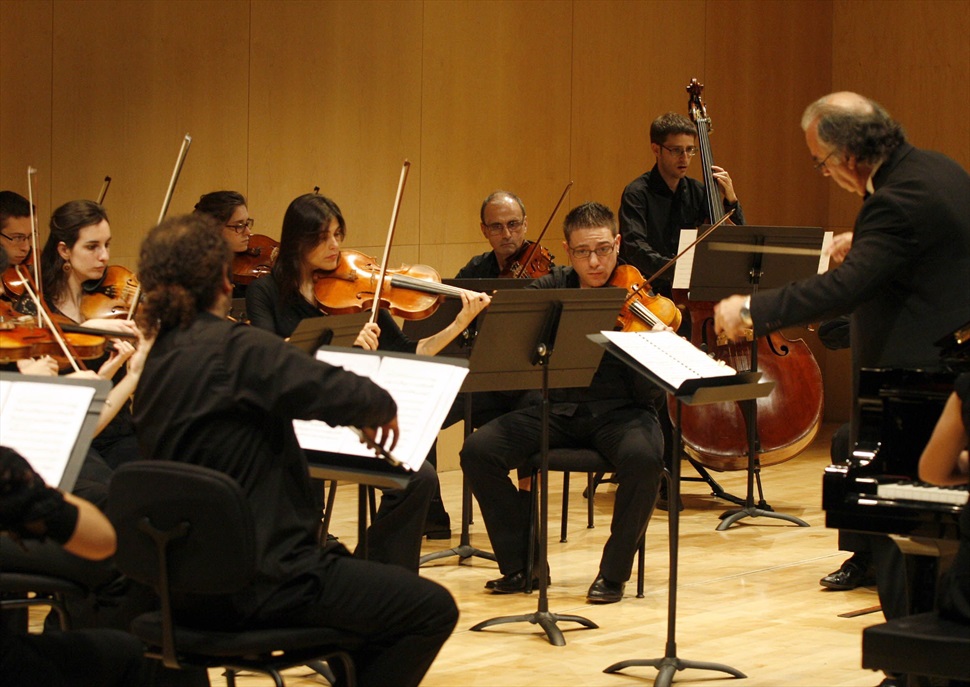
749,509
669,664
542,617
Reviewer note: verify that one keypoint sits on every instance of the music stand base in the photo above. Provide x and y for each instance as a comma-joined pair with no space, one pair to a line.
463,551
544,619
669,665
730,517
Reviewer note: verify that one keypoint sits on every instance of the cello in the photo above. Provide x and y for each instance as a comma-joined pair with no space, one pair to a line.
788,419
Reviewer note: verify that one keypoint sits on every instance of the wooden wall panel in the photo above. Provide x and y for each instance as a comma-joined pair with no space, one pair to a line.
130,80
495,115
631,62
335,103
25,100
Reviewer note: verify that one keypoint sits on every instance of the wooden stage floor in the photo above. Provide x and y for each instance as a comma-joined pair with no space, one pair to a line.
748,597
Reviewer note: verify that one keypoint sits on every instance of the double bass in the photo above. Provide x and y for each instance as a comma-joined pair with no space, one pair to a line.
788,419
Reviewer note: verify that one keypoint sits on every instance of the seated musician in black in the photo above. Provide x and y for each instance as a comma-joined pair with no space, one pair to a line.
504,225
311,239
616,416
224,395
945,462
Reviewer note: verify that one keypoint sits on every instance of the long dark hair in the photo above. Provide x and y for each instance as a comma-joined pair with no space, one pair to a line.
182,265
306,220
66,224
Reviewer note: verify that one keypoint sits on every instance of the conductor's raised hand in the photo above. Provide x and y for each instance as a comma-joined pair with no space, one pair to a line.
384,436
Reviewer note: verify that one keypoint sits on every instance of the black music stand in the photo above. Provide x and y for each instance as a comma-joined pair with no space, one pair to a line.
527,327
744,385
739,261
462,346
335,330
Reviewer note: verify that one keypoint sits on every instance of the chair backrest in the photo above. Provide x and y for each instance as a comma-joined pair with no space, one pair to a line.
193,522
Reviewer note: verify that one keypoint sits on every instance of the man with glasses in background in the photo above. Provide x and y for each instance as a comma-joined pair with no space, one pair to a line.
15,235
503,224
616,416
658,204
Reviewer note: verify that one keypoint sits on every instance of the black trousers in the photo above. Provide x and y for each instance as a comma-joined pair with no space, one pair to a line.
395,535
629,438
403,617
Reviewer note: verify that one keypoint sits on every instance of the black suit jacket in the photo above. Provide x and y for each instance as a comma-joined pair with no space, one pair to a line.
906,279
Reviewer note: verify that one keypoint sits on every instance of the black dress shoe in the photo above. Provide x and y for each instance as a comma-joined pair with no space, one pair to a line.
438,528
602,591
849,576
512,583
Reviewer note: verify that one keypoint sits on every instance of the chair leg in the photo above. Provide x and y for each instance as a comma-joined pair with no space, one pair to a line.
591,490
533,532
328,511
565,507
641,565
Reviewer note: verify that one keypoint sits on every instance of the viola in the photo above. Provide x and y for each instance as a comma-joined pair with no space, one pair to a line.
20,341
112,295
530,261
642,309
255,261
411,292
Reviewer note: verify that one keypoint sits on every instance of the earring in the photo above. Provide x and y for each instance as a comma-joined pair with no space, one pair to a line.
66,267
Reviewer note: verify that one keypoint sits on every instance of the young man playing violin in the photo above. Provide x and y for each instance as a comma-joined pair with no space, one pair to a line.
15,233
615,416
310,245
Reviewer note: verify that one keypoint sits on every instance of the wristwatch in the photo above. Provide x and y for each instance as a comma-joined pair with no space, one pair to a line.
745,313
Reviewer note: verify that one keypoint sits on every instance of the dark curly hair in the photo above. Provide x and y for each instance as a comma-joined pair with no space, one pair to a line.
183,263
862,129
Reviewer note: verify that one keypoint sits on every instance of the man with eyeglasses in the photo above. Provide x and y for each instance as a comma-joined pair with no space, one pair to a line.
615,415
15,235
503,224
658,204
906,272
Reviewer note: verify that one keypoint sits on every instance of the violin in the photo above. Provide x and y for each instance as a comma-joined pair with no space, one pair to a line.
111,296
255,261
411,292
530,261
20,341
642,309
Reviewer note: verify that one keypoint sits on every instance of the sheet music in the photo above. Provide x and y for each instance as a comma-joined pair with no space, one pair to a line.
823,259
682,268
670,357
42,422
423,389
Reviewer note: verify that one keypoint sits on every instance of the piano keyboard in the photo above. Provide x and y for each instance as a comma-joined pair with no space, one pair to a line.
920,491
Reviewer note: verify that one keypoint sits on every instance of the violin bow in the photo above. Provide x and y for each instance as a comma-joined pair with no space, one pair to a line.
535,244
700,238
376,306
104,190
183,151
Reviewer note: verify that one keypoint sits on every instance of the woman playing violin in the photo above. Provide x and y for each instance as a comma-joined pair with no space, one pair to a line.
311,240
229,209
310,247
77,251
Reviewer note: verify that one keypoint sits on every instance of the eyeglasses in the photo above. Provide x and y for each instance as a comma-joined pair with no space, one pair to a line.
584,253
820,166
680,151
240,227
496,228
17,238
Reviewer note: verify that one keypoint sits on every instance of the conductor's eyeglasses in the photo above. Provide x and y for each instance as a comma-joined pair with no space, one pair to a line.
496,228
240,227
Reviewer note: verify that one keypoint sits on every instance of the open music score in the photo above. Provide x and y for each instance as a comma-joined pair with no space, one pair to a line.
674,359
423,388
